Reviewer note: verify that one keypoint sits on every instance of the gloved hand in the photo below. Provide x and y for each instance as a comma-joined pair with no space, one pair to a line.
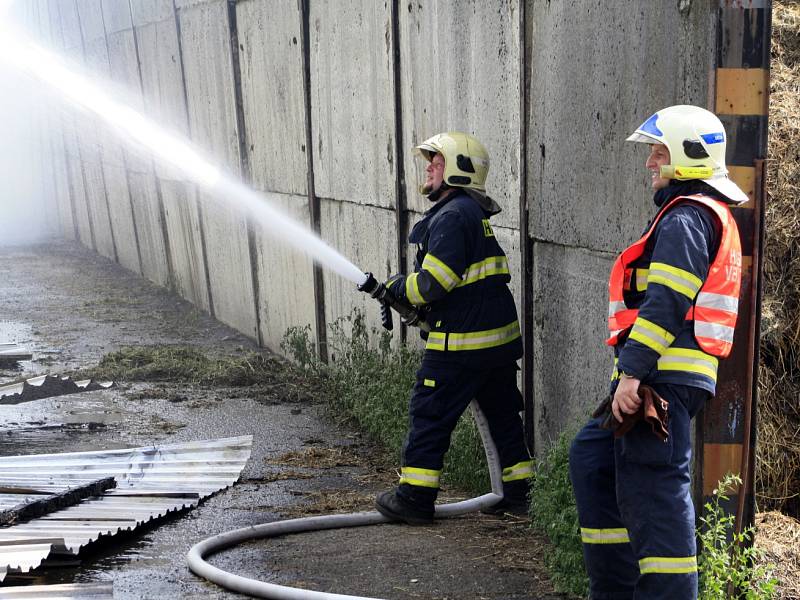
653,409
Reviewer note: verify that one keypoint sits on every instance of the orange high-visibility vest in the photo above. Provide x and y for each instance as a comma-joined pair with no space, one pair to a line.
716,305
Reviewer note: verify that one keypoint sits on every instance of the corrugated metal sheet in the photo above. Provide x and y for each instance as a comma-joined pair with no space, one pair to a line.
65,591
11,352
151,483
22,503
47,386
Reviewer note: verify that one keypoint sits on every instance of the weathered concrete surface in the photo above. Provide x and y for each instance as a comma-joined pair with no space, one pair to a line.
572,365
164,96
271,62
61,187
286,295
143,187
365,235
352,102
460,71
118,200
586,98
212,121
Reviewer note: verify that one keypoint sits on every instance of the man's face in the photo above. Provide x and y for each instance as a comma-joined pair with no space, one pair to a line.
659,156
434,173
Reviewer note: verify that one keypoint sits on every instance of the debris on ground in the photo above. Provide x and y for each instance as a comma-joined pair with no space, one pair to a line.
11,353
779,537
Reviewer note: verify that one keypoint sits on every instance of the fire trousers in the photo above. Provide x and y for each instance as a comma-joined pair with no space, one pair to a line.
635,510
441,394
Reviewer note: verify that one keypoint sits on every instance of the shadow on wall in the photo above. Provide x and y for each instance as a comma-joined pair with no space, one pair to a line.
24,214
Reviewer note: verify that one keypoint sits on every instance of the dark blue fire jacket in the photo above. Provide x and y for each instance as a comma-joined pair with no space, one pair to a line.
461,281
686,240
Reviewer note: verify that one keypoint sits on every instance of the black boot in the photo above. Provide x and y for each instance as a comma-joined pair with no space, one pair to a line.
395,507
515,500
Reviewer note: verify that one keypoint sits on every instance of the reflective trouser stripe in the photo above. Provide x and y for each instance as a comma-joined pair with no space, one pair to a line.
604,536
664,564
420,477
521,470
474,340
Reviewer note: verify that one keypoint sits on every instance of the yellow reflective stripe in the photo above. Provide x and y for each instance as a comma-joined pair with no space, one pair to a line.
429,383
651,335
412,290
667,564
420,477
521,470
440,271
681,281
494,265
641,279
474,340
615,371
604,536
692,361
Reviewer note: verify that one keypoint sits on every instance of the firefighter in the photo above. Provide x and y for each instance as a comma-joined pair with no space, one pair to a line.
673,303
461,282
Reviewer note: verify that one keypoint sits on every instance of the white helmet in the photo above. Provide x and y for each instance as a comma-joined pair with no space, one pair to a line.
696,142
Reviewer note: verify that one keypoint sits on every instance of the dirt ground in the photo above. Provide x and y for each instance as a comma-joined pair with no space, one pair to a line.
70,307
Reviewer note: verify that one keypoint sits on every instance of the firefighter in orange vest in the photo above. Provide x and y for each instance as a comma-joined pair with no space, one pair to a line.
673,298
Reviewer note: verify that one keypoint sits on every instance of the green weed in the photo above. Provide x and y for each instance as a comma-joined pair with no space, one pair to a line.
554,513
370,381
729,565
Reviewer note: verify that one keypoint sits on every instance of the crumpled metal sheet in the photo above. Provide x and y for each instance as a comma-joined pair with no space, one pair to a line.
65,591
48,386
151,482
11,352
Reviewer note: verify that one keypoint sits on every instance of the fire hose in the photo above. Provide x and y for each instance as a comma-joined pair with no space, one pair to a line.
261,589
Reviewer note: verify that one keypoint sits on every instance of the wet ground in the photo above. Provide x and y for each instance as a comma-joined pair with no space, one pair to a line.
70,307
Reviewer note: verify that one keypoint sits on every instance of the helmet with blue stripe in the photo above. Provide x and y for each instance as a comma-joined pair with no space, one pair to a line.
696,141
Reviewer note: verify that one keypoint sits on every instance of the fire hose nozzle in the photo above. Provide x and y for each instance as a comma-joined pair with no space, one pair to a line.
409,314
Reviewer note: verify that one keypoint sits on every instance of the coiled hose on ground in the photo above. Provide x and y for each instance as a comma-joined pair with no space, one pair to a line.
262,589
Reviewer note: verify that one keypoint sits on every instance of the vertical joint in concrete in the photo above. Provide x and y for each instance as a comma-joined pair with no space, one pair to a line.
401,212
198,204
313,200
244,159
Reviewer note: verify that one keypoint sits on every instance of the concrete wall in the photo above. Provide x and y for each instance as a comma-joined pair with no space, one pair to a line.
317,105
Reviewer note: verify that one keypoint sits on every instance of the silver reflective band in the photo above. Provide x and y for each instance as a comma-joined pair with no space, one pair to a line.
687,360
615,307
604,536
718,301
713,331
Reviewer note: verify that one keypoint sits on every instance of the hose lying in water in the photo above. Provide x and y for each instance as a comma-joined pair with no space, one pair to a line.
262,589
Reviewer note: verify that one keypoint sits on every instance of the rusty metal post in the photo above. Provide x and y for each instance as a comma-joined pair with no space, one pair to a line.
740,96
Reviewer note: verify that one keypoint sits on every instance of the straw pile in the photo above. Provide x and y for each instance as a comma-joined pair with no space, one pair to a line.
778,537
778,454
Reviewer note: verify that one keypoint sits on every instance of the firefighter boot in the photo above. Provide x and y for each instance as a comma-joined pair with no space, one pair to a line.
396,507
514,502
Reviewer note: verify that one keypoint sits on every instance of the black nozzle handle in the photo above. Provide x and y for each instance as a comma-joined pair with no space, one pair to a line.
409,314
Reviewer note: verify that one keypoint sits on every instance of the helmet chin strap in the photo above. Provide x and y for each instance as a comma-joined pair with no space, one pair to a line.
436,194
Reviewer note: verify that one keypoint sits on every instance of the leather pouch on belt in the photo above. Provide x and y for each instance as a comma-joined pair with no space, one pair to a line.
653,409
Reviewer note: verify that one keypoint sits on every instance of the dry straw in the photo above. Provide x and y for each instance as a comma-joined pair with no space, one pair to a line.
778,454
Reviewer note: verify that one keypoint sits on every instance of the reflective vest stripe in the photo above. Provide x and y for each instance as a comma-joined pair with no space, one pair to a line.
412,290
521,470
665,564
474,340
420,477
651,335
641,279
604,536
443,274
687,359
681,281
494,265
715,301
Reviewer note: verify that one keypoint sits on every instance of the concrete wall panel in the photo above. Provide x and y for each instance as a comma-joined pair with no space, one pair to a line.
186,251
145,12
572,364
272,89
587,185
147,212
212,121
77,189
460,71
116,17
61,180
91,17
286,277
352,101
365,235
